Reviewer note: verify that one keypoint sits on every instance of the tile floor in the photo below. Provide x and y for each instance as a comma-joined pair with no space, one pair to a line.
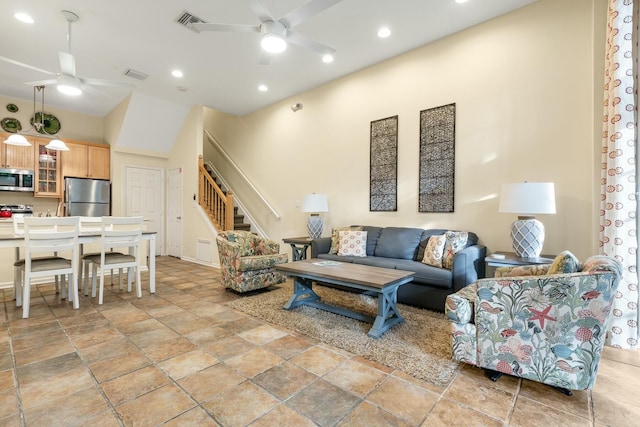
182,358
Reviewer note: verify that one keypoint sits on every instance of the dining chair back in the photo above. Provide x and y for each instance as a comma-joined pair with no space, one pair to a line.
44,236
120,248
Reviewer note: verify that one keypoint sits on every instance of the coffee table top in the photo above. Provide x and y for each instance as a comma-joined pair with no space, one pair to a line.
376,277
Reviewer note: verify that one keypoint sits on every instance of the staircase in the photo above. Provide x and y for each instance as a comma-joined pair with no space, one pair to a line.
216,201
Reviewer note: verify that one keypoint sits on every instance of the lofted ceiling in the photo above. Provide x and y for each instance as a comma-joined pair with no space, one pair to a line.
221,70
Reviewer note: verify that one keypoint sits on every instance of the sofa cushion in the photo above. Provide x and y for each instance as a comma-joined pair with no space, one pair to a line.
334,237
564,262
427,274
434,251
373,234
398,242
352,243
456,241
601,263
376,261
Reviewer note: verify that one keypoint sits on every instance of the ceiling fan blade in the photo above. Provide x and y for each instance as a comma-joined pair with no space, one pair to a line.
208,26
67,63
261,11
306,11
42,82
304,41
30,67
102,82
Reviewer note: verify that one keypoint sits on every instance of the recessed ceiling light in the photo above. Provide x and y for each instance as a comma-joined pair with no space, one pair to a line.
177,73
461,1
327,58
23,17
384,32
263,88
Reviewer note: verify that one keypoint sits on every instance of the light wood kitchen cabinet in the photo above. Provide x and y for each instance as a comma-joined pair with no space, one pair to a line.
47,177
86,160
15,157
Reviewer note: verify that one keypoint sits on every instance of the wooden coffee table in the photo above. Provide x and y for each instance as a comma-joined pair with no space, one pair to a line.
383,282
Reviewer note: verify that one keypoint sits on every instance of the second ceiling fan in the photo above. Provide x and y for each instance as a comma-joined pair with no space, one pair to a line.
277,32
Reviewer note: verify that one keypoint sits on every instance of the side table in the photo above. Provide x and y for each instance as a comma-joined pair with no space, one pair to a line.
511,259
299,247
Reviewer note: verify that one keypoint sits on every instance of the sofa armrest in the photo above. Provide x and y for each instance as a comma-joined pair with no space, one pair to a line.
468,266
320,246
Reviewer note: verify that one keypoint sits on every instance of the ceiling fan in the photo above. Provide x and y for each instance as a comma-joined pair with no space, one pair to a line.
277,32
67,81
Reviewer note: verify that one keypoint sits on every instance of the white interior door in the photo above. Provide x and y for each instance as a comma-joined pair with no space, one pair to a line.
144,197
174,212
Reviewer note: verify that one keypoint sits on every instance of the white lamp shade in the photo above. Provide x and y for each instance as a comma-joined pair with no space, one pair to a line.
528,198
69,85
315,203
18,140
57,145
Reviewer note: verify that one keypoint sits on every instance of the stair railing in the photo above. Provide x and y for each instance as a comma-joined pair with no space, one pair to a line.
242,175
217,205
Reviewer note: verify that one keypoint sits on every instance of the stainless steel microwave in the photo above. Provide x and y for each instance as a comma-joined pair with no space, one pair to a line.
16,180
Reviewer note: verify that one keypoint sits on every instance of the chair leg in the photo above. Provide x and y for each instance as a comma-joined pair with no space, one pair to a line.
130,273
63,285
55,279
94,271
26,295
120,279
73,290
101,292
85,276
138,283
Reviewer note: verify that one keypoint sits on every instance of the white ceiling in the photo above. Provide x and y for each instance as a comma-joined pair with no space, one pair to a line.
221,70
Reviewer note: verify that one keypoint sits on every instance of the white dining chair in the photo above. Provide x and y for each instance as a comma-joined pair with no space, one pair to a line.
89,225
18,265
118,234
46,235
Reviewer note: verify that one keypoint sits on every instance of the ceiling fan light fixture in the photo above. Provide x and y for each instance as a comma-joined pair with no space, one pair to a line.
57,145
18,140
273,43
69,85
327,58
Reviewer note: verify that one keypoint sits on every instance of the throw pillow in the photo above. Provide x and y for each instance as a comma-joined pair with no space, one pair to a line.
434,251
352,243
334,237
456,241
601,263
565,262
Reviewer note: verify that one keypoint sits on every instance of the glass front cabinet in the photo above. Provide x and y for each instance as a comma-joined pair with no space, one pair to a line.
47,171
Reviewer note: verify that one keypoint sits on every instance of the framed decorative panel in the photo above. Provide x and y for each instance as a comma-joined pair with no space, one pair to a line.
383,175
437,159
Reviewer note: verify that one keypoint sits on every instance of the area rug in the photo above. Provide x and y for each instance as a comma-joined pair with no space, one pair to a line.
420,346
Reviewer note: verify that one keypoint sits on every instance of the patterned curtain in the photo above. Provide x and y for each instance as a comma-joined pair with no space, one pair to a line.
619,207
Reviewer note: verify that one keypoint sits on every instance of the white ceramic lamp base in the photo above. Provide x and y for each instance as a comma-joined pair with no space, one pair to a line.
314,226
527,237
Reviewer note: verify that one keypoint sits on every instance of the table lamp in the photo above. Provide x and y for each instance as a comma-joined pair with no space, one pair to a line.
528,199
314,204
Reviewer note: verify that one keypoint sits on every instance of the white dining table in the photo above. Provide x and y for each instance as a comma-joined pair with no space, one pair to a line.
17,242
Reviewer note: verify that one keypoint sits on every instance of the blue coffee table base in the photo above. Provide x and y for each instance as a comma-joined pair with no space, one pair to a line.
388,314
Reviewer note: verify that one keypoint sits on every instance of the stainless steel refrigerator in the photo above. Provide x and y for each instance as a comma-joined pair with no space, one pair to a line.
87,197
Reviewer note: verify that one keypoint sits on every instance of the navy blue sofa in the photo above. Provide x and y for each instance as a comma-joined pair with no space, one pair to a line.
402,248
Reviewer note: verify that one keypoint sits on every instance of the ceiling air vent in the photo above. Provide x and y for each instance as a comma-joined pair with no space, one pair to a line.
138,75
187,20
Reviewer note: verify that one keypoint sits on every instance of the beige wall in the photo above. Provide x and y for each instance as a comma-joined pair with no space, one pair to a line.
526,87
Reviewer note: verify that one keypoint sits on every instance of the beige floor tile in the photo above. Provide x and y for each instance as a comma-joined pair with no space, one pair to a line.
369,415
577,404
107,349
630,357
283,416
206,384
74,409
208,334
284,380
193,417
166,349
323,402
55,349
529,413
6,380
187,363
95,337
482,396
505,382
156,407
262,334
8,403
318,360
288,346
135,384
356,377
228,347
448,413
41,393
241,405
48,368
403,399
107,369
254,361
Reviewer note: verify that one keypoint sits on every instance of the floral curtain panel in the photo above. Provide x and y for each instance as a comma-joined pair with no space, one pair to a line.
618,213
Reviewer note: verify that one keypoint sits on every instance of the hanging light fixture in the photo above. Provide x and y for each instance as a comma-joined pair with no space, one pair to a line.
273,39
38,125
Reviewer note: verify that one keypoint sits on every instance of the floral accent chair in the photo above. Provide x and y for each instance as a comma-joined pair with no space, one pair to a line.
547,324
248,261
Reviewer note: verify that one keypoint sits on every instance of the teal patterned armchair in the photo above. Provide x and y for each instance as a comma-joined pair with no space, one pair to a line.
546,323
248,261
